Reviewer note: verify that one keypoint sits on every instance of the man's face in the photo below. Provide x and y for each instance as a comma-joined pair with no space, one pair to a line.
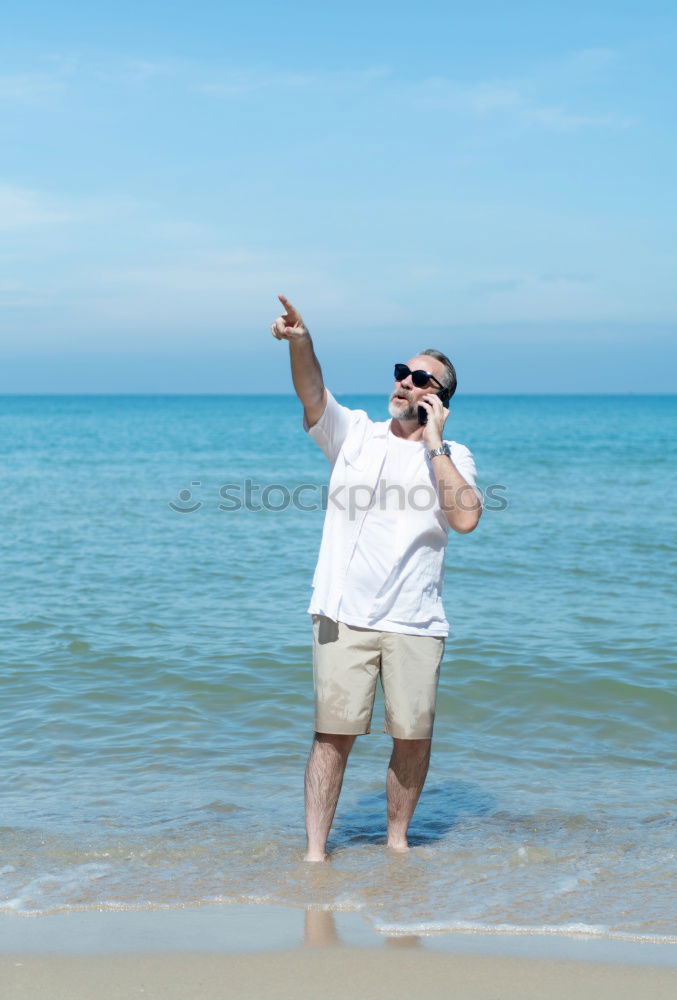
404,401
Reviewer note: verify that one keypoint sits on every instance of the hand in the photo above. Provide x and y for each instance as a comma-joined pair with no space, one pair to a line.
289,326
437,416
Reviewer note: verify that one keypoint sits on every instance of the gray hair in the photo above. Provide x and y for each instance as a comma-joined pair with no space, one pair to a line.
449,377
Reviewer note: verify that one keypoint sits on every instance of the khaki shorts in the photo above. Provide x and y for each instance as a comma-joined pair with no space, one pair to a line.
346,662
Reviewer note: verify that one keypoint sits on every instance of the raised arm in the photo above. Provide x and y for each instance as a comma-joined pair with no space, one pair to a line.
305,368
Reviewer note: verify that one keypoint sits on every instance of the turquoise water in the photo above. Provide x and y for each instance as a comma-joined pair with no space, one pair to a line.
156,709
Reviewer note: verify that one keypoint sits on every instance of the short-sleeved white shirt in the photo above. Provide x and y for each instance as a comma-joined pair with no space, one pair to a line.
381,560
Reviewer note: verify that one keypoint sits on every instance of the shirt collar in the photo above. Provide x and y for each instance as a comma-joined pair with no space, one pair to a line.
381,428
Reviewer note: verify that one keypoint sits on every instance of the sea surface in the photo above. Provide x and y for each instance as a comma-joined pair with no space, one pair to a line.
156,704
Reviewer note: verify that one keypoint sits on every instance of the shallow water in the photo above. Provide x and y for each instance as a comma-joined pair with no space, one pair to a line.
156,709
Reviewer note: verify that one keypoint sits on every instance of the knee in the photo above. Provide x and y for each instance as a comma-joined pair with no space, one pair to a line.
341,742
412,748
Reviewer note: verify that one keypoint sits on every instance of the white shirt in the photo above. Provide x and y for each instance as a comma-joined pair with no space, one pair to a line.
381,561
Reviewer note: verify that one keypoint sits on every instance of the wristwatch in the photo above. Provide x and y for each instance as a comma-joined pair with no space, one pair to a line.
444,449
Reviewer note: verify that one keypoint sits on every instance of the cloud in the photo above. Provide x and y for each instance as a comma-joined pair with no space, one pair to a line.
526,100
219,286
29,209
219,296
242,82
13,295
509,100
581,64
514,100
135,72
29,88
21,208
500,286
560,120
541,97
568,278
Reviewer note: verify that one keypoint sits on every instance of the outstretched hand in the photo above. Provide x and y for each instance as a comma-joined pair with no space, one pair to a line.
289,326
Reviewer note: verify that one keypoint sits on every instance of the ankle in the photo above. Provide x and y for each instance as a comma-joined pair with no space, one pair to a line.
315,856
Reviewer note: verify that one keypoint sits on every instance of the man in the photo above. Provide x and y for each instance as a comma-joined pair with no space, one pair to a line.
395,490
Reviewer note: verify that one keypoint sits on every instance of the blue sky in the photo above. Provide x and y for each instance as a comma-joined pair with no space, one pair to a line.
496,180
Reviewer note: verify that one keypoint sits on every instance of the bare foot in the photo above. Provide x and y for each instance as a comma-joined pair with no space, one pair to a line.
315,856
401,846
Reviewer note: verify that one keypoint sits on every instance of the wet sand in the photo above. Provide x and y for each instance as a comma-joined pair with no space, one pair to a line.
279,953
331,972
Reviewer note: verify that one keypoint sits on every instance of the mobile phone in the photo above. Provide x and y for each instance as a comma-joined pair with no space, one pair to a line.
423,413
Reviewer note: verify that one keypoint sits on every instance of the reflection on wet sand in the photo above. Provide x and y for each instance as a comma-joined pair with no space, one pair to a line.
319,930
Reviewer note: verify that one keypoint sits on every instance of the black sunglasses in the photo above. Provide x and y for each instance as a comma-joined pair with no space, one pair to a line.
420,378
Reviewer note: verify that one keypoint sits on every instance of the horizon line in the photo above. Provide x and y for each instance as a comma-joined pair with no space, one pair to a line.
292,395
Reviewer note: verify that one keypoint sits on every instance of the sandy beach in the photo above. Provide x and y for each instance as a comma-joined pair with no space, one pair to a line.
331,972
256,951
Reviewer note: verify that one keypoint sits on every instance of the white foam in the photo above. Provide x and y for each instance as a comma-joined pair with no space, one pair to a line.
340,905
564,930
568,884
13,905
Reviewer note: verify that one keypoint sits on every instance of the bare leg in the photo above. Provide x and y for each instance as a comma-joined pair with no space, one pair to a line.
406,776
324,777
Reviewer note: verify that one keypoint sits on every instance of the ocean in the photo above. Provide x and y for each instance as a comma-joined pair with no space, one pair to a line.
156,706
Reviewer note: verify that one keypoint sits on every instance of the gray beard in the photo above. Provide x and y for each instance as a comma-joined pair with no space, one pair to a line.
405,411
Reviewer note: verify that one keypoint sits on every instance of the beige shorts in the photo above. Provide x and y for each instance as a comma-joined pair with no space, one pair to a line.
346,663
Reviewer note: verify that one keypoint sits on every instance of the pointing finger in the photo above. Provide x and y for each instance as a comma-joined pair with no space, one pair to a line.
292,312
